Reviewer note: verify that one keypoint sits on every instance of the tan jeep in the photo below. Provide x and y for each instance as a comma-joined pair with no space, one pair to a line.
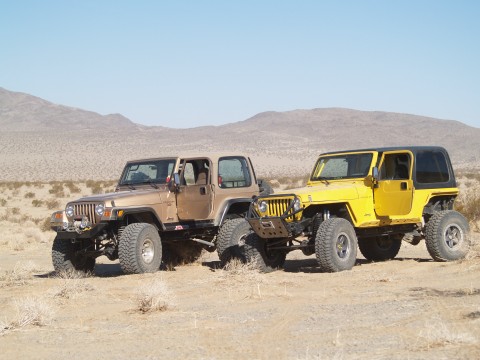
376,197
165,208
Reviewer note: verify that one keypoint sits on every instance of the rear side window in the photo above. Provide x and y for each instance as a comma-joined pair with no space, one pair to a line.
233,172
431,167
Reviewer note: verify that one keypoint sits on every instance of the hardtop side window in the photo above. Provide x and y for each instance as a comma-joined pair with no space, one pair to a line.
431,167
195,172
395,167
157,171
233,172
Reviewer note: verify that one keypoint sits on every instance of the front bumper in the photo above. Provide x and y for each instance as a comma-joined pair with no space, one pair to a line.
281,220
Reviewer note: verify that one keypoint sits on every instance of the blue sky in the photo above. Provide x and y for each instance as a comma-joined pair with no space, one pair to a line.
192,63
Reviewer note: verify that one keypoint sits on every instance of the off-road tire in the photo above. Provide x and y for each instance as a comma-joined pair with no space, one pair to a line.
336,245
231,239
65,259
447,236
380,248
140,249
256,254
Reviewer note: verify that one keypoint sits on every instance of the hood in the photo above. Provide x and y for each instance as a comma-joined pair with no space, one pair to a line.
140,196
332,192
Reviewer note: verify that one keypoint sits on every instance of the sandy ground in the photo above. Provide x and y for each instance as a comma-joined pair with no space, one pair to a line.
407,308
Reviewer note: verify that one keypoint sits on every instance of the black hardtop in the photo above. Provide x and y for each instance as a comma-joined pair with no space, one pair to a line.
413,149
450,181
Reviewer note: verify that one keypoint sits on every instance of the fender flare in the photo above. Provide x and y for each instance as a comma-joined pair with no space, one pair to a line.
142,210
225,207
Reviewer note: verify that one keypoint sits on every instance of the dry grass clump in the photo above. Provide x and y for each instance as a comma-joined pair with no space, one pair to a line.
20,233
438,334
21,273
36,311
37,203
3,202
57,189
52,204
469,206
29,195
474,251
72,187
241,278
72,285
153,297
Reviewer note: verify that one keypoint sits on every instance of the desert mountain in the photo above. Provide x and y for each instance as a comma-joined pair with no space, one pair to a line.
280,143
23,112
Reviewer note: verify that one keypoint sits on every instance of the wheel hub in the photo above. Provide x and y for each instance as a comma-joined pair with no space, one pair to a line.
342,246
148,251
453,236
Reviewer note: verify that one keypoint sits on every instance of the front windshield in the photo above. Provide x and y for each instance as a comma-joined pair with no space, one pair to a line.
153,171
342,166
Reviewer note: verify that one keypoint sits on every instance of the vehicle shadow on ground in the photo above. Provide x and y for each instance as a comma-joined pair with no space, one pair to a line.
311,265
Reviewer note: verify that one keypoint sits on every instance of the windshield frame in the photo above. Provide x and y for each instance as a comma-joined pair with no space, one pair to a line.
145,179
316,174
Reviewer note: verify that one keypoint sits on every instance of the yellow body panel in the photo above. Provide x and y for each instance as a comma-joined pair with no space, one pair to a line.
370,202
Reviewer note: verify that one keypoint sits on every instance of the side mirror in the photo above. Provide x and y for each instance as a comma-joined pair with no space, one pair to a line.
174,184
375,177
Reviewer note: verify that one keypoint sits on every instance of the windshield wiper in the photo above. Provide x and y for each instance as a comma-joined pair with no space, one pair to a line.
324,179
150,181
130,186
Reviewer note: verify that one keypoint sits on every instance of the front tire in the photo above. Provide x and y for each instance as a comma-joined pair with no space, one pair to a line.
65,258
336,245
447,236
380,248
140,249
257,254
231,239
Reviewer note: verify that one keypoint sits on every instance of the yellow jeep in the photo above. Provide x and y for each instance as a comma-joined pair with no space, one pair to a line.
373,197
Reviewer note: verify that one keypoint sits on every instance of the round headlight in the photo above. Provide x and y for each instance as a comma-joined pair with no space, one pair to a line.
100,209
69,210
297,205
262,206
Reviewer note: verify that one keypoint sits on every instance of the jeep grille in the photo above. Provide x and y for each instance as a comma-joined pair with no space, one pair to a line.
277,207
85,209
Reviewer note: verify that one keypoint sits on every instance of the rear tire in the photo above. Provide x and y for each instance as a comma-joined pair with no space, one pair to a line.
65,258
380,248
447,236
140,249
231,239
336,245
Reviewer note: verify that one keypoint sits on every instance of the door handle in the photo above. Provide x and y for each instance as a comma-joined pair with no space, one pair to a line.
403,185
203,190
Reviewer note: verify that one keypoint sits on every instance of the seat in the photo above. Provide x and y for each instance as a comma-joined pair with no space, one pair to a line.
202,177
401,172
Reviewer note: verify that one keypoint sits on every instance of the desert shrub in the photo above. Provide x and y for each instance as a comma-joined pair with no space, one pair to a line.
21,273
73,284
29,195
74,189
15,211
37,203
3,202
57,190
52,204
45,225
32,311
155,296
470,208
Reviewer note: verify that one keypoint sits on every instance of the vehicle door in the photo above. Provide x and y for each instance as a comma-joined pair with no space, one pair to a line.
393,193
195,195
